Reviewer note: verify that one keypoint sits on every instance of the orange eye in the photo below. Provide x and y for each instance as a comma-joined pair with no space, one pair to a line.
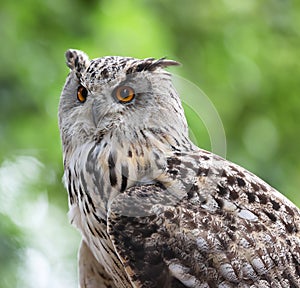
124,94
82,94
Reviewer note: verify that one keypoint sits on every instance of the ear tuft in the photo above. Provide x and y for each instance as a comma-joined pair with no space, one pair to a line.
151,64
77,60
163,62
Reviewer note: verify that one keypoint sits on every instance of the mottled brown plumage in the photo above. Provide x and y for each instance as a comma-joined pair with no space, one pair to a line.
153,209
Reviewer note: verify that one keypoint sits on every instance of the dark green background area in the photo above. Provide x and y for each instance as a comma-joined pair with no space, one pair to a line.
243,54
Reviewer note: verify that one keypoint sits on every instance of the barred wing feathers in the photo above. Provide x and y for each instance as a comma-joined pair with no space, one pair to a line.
230,230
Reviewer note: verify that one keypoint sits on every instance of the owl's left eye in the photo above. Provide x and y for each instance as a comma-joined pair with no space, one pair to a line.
124,94
82,94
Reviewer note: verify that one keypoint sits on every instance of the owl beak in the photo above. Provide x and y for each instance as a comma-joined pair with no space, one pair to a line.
98,112
95,113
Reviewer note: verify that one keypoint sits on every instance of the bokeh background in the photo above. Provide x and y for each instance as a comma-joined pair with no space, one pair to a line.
243,54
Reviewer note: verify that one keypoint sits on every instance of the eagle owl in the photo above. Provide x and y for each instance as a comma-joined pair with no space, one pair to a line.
153,209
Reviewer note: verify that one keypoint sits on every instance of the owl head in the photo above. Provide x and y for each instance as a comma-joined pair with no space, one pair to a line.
114,95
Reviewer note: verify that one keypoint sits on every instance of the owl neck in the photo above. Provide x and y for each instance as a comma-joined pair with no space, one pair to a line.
120,161
142,157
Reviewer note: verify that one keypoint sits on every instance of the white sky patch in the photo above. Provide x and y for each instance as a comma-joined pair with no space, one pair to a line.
50,257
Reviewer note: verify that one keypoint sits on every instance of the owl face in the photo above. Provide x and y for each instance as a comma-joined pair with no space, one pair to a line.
110,94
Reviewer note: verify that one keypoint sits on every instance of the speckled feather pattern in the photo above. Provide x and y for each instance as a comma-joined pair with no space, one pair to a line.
153,209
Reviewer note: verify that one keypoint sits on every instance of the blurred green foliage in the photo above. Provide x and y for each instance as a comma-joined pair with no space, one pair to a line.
243,54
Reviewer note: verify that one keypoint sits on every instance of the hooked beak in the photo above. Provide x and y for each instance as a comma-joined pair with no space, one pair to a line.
95,113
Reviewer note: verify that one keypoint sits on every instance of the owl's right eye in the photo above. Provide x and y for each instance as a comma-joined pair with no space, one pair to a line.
82,94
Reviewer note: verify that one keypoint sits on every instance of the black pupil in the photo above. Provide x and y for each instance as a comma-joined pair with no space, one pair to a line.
125,93
83,92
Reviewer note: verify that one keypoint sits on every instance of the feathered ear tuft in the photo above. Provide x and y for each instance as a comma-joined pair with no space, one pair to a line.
77,60
150,64
163,62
